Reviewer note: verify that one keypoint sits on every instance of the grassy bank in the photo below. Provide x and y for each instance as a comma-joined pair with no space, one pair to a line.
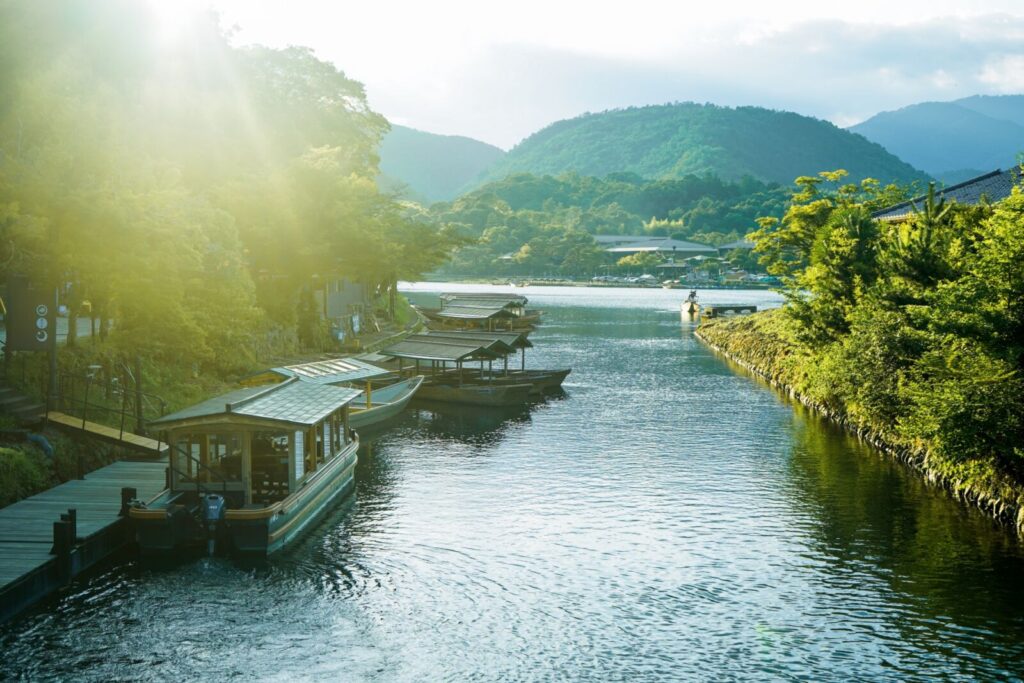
765,344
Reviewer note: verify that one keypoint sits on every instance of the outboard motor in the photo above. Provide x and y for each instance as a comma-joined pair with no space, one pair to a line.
213,512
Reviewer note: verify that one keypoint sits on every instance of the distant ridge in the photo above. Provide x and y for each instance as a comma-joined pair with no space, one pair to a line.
675,140
952,140
432,167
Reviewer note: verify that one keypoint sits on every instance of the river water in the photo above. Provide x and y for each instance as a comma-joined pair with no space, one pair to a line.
668,518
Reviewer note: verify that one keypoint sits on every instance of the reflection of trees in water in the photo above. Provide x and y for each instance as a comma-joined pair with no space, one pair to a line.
872,515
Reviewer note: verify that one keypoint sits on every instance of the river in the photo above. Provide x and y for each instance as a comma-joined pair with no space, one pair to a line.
669,518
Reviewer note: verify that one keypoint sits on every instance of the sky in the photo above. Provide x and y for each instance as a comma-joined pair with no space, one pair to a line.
498,71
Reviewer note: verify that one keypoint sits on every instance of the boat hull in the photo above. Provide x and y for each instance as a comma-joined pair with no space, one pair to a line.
541,381
481,395
168,527
390,405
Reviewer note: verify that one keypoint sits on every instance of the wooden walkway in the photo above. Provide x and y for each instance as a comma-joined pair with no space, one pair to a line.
29,569
141,444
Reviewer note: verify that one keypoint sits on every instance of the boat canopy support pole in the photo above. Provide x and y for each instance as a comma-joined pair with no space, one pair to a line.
247,466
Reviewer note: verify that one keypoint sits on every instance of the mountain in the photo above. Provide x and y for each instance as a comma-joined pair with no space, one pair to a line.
952,140
434,167
675,140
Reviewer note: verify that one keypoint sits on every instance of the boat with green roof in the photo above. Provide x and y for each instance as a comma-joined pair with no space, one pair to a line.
249,471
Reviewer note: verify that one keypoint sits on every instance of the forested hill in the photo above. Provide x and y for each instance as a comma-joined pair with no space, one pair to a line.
953,140
675,140
434,167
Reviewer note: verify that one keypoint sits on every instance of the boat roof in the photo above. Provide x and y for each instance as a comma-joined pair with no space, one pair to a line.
438,349
475,302
475,312
494,296
293,402
513,339
494,344
332,371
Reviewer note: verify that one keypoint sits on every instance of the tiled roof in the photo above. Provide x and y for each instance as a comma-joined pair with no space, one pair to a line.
428,349
495,296
332,371
294,402
513,339
475,312
479,302
491,343
994,187
302,403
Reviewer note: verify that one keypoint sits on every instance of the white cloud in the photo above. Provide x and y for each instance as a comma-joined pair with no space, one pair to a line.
1004,74
500,71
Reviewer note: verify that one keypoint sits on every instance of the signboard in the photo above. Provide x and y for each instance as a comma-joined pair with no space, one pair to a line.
31,318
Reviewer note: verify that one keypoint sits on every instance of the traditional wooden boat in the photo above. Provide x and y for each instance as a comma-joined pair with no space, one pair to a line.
250,470
690,306
442,358
457,308
373,405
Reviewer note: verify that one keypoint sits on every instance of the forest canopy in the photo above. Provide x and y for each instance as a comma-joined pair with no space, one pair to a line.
191,191
535,225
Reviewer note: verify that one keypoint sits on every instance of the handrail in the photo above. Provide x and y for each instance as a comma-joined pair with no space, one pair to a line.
178,448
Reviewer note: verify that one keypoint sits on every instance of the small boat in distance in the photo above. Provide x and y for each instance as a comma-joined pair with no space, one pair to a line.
250,470
690,306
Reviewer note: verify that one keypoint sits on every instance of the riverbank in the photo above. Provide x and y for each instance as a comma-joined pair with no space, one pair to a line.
760,344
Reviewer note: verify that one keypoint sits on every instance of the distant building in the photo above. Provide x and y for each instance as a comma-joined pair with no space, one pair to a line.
993,187
745,245
627,245
344,305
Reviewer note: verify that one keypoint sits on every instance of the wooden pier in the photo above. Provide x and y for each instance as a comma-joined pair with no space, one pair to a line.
140,444
48,539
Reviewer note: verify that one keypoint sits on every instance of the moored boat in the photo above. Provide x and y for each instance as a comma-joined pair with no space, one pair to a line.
443,359
250,470
483,394
373,405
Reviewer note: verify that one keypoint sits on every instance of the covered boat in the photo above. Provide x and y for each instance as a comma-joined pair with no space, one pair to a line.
250,470
445,357
481,311
381,397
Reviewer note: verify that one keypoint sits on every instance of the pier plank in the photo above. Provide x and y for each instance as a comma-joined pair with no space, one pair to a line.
26,527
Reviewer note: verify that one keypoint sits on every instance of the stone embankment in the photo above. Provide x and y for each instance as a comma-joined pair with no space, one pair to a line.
752,345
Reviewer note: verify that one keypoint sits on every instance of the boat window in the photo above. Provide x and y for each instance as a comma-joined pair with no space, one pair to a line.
269,466
225,455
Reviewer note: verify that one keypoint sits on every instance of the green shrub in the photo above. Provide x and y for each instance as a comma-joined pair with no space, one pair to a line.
22,473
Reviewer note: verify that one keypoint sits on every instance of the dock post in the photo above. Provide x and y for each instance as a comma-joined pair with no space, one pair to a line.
128,494
65,534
